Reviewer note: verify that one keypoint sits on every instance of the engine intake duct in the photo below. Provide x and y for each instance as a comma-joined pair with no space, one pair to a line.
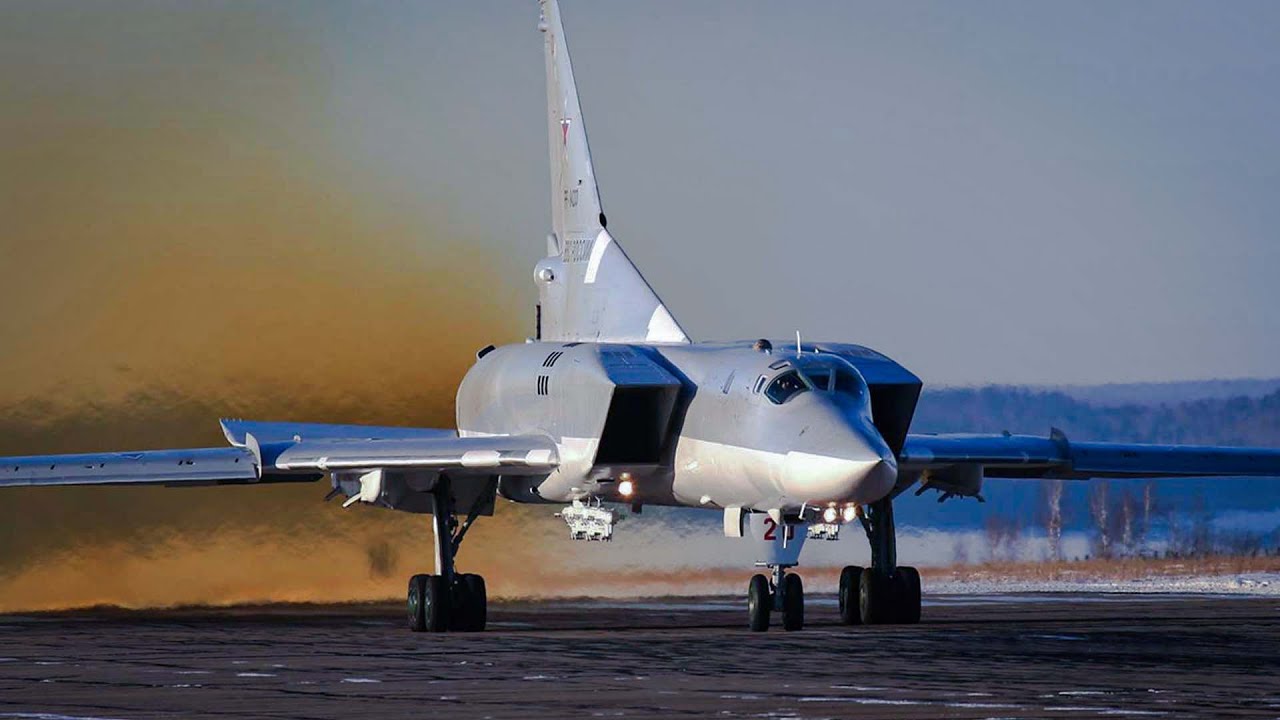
636,427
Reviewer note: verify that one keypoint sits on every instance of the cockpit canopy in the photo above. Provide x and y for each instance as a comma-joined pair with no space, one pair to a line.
822,373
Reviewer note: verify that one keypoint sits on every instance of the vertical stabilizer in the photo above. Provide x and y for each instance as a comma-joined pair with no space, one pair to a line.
588,287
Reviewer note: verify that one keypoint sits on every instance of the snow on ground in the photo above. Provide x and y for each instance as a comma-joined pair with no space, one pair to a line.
1265,584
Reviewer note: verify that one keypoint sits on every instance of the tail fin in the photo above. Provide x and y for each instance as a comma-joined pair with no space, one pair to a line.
588,287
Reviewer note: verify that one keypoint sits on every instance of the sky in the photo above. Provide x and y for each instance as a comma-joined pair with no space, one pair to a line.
318,211
988,192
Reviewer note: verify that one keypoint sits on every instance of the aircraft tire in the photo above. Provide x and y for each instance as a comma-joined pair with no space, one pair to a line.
907,580
470,604
875,598
850,581
460,607
435,604
792,602
759,603
417,592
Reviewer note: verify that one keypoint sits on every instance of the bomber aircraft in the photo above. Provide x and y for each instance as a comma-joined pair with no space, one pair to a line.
612,403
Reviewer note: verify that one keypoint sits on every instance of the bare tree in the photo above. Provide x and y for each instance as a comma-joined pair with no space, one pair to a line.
960,551
1100,510
1003,537
1053,524
1174,529
1202,544
1148,504
1126,522
1191,529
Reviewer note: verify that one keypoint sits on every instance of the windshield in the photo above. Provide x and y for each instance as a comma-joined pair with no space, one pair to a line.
820,377
785,386
832,374
824,373
850,383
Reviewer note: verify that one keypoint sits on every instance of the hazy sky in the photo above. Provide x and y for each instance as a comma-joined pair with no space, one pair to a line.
988,192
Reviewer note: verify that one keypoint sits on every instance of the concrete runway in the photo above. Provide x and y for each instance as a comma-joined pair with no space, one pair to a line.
1075,656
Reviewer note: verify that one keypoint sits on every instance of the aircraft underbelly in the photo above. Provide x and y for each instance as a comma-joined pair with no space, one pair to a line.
714,474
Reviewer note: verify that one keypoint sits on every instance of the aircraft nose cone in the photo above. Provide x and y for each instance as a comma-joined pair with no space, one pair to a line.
860,469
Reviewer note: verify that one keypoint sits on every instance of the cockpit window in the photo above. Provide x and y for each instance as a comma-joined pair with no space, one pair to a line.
850,383
785,386
820,377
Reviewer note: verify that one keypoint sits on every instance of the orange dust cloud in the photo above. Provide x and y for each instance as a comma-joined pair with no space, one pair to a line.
181,240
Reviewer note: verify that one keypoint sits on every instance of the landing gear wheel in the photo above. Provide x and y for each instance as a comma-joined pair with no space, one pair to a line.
417,589
479,602
906,581
469,604
759,602
875,598
792,602
428,603
850,582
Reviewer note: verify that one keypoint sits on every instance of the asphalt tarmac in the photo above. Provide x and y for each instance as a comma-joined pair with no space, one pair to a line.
1010,656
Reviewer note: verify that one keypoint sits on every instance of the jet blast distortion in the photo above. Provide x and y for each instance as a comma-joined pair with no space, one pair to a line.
612,403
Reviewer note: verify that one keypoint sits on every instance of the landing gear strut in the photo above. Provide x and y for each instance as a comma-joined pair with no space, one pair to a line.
782,592
885,592
447,601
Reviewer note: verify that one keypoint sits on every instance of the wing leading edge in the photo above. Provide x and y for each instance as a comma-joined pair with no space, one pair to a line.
1026,456
290,452
203,466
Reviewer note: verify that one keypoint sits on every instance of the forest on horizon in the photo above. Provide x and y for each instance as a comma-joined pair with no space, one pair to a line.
1237,420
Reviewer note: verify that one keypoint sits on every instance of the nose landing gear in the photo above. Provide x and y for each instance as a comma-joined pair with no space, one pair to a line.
885,593
759,602
783,592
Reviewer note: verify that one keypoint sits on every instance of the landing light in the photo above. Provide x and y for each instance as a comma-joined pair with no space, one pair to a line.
850,512
829,515
626,488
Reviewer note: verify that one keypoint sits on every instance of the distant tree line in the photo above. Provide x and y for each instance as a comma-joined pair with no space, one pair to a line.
994,409
1123,522
1121,518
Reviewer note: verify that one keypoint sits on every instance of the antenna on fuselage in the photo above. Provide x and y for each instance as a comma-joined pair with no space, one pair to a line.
798,351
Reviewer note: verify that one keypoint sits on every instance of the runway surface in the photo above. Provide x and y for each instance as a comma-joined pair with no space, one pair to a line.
1009,656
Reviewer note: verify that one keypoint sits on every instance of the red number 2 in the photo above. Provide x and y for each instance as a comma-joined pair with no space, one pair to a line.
771,527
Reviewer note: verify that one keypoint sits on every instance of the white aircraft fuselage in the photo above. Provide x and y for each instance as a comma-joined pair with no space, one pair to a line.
700,425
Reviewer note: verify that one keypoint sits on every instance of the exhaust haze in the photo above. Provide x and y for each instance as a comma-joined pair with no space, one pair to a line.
182,242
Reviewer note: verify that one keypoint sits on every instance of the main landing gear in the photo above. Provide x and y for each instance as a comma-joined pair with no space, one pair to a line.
447,601
885,593
781,592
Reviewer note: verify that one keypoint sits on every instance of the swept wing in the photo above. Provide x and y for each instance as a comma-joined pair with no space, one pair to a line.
1021,456
290,452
